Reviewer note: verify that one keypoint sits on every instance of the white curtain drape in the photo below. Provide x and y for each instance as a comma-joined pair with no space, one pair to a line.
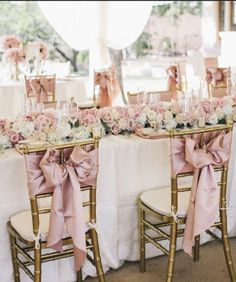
96,25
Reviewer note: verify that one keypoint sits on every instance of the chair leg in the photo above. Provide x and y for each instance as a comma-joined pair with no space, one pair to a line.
226,245
142,263
14,258
97,257
196,248
172,250
37,265
79,276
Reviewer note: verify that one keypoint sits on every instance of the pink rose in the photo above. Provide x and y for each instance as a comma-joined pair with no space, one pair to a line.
10,41
15,55
89,120
106,115
15,138
115,129
207,106
131,124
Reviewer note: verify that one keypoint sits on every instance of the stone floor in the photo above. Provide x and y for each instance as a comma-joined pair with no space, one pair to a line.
210,267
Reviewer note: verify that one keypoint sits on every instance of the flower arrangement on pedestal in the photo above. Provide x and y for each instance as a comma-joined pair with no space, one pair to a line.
13,54
36,51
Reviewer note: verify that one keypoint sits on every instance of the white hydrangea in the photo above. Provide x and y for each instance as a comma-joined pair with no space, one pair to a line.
82,132
227,109
23,127
171,124
4,142
143,118
220,113
212,119
151,115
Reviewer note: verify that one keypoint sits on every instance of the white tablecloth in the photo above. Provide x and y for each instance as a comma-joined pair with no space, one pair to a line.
12,92
127,166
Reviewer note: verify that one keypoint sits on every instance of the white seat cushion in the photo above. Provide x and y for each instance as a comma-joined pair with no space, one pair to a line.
159,200
22,223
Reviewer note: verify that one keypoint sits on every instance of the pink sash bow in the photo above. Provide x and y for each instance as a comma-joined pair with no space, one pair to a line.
203,210
41,87
108,87
45,174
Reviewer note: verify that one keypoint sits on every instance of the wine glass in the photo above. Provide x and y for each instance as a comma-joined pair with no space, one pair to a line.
141,95
73,118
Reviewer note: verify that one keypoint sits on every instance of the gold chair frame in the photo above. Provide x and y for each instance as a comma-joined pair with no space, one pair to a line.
32,94
39,258
169,221
212,87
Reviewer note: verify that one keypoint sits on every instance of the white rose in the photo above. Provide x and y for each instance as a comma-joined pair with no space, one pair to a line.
151,115
115,114
122,123
168,116
179,118
131,112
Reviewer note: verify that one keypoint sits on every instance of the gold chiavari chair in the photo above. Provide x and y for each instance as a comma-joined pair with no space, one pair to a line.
41,88
217,79
170,205
28,230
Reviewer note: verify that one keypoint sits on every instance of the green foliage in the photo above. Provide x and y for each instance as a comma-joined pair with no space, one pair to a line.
25,19
142,45
179,8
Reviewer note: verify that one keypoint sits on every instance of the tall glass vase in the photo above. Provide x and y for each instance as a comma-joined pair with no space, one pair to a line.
15,71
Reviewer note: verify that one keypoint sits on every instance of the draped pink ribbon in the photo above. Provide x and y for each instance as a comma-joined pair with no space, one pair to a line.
45,174
41,87
217,76
173,80
203,210
108,87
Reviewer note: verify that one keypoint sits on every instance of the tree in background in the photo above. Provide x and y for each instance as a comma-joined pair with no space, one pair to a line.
15,18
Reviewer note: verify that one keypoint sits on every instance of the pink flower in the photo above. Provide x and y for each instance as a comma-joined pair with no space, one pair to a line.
15,55
106,115
43,121
175,109
10,41
15,138
131,124
89,120
218,103
207,106
115,129
38,47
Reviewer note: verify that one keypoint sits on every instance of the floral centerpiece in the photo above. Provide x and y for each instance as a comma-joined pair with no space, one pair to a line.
13,54
51,127
36,51
10,41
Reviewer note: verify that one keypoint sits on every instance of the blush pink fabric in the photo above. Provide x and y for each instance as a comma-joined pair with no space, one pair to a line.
46,174
41,87
108,87
186,156
173,82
